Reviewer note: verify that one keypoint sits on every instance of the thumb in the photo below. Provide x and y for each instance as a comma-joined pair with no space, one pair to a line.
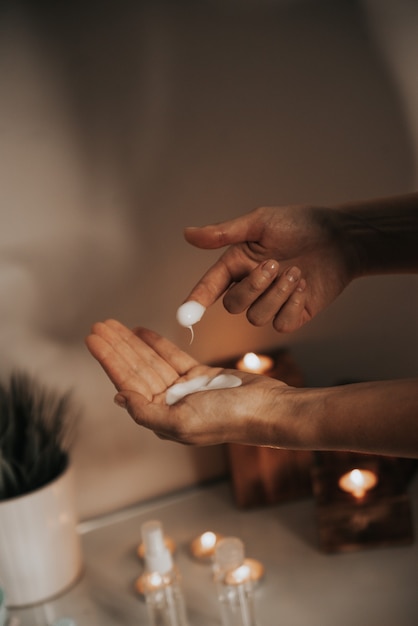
244,228
143,411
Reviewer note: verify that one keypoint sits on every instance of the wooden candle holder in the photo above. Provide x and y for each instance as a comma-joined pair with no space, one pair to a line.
382,517
265,476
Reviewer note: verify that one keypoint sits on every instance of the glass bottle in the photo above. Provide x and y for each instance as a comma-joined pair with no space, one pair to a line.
161,582
234,586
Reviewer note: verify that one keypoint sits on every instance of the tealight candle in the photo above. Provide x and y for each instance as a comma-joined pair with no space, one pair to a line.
255,363
256,569
203,547
238,575
251,570
358,482
149,582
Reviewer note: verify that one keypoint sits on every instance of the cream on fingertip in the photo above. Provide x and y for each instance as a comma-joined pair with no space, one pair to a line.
189,314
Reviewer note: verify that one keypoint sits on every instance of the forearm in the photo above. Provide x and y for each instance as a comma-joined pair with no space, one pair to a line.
375,417
383,233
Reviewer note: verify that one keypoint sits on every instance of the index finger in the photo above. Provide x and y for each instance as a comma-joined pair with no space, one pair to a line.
231,267
180,361
128,361
212,285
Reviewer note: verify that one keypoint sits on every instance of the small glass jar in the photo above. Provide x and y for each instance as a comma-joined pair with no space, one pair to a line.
234,585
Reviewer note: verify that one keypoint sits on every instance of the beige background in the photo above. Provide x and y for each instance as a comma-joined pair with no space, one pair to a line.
122,122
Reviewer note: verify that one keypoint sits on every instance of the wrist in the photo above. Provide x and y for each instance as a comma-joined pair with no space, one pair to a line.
382,234
297,421
371,417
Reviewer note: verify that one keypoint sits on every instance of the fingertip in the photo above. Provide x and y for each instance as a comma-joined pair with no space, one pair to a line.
132,401
94,343
269,268
87,340
120,400
293,274
189,231
192,234
95,328
115,325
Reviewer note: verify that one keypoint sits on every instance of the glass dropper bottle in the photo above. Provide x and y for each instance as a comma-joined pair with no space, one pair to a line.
161,580
234,585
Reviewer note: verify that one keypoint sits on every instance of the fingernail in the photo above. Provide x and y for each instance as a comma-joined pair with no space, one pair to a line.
293,274
269,268
302,285
120,400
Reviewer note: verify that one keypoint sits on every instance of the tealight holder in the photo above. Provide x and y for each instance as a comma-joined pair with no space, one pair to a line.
361,502
202,548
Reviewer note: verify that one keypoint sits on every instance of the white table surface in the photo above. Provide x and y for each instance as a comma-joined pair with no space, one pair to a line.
302,586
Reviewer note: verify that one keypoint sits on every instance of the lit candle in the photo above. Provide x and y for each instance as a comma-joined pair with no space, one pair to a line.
251,570
358,482
170,544
203,547
256,569
149,582
255,363
238,575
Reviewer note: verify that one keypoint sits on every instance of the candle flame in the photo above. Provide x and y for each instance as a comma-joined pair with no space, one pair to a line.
208,540
203,546
358,482
357,478
238,575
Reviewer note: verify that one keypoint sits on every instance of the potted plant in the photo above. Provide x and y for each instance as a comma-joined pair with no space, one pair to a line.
40,553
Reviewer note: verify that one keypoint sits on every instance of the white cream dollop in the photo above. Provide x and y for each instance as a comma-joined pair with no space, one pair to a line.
190,313
179,390
200,383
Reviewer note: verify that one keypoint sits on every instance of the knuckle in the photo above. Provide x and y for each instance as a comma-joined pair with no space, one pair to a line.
282,289
252,288
260,211
222,237
295,302
232,304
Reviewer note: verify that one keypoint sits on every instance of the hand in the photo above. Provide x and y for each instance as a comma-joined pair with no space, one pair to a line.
283,264
142,365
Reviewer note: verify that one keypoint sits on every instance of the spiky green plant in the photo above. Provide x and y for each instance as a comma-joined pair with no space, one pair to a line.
36,431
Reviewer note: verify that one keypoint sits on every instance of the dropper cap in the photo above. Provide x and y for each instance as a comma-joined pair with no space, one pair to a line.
229,554
156,554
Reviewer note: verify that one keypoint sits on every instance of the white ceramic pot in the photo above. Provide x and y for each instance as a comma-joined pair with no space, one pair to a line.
40,549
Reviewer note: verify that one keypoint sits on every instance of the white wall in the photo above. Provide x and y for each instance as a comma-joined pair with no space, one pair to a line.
120,123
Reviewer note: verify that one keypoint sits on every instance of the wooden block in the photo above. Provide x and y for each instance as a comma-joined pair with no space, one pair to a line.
265,476
382,517
348,527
